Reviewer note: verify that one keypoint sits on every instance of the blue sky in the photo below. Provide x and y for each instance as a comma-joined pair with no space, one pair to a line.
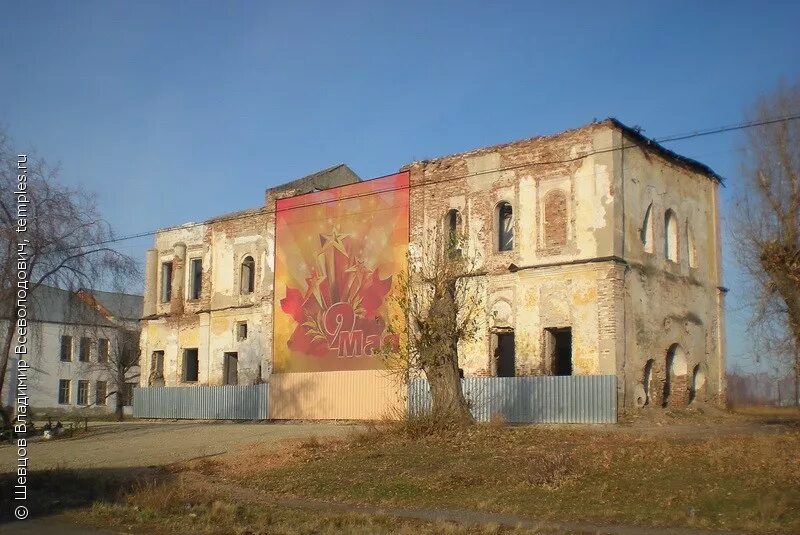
177,111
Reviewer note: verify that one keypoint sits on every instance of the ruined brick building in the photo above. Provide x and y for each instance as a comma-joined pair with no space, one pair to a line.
600,251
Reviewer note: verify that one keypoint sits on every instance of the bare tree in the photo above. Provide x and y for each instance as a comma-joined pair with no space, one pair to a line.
65,233
439,301
766,226
121,366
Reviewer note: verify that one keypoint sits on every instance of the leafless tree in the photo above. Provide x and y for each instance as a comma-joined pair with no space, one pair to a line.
766,225
121,366
66,236
439,302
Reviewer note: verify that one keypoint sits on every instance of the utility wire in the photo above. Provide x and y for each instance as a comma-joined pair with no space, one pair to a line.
250,213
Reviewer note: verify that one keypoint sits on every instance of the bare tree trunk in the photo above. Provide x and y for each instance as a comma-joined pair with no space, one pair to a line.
7,343
447,395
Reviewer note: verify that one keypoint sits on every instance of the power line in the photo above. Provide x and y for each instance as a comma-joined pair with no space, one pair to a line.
250,213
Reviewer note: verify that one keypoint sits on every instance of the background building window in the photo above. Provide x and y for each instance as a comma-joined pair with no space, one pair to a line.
127,394
83,392
100,393
63,391
248,275
84,347
191,365
66,348
166,282
196,281
102,350
671,236
505,227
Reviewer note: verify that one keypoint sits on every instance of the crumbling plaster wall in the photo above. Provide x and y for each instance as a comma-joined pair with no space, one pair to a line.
209,323
548,287
670,302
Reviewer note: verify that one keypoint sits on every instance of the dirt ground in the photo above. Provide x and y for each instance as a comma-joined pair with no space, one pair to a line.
142,444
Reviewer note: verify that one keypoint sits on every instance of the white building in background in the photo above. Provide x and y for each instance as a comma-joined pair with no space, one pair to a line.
76,340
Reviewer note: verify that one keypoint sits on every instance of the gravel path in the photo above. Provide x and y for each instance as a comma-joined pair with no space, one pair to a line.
141,444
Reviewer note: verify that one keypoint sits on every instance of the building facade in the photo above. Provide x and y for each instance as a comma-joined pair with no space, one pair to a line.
83,350
598,252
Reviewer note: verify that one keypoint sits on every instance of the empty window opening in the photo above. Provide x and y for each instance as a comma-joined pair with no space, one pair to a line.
505,227
698,383
505,360
100,393
63,391
671,236
102,350
555,219
166,282
646,233
230,368
83,392
248,275
241,331
452,230
692,248
559,346
647,380
156,369
676,367
196,281
83,349
191,365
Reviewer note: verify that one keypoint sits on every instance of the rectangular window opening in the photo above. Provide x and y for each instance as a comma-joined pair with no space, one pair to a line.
558,343
504,355
191,365
66,348
63,391
230,369
127,394
196,281
166,282
100,393
84,348
241,331
102,350
83,392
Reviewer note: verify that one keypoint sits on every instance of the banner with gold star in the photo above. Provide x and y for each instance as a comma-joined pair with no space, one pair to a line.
337,254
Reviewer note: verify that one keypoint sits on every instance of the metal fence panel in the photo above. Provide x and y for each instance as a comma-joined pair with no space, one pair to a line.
202,402
541,399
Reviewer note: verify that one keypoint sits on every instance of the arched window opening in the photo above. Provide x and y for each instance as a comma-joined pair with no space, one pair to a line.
671,236
248,275
646,232
452,223
692,248
698,383
505,227
555,219
676,368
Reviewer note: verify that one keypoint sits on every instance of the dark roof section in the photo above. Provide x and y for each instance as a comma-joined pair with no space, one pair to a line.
338,175
120,305
55,305
646,142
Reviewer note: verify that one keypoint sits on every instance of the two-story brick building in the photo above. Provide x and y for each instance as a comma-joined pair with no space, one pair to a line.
600,248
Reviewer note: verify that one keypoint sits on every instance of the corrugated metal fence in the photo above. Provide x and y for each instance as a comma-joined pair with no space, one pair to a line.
573,399
202,402
542,399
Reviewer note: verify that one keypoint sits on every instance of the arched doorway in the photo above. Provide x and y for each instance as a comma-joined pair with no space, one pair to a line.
675,381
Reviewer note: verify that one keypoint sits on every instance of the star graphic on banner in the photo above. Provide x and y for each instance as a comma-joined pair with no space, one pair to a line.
313,285
334,240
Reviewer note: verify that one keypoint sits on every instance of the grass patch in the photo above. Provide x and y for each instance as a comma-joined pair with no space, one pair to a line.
749,481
